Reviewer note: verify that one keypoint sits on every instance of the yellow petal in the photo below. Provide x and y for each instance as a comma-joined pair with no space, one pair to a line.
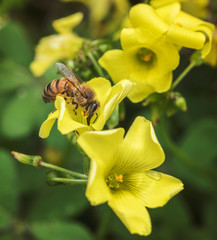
66,24
131,212
168,13
101,87
161,83
53,48
155,188
141,145
166,53
185,37
208,43
212,56
109,97
149,78
115,64
118,92
65,123
48,124
144,16
120,66
161,3
116,95
97,191
101,145
189,31
60,105
140,92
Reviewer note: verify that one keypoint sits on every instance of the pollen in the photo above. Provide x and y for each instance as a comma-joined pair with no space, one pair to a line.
145,55
179,24
147,58
119,178
114,181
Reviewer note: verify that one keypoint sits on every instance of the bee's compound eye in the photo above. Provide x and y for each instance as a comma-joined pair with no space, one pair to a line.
94,107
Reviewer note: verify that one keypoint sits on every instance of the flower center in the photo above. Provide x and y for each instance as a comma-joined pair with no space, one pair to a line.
114,181
79,114
145,55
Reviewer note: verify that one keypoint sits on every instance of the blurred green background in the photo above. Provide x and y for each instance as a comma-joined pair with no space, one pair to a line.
30,208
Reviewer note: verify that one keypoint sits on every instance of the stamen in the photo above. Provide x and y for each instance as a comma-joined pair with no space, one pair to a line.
114,181
145,55
119,178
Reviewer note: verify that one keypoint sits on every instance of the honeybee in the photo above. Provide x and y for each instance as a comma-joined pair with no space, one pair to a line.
69,86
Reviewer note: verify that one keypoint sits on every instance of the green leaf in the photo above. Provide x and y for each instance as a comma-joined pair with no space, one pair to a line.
7,5
200,144
59,202
30,179
14,44
7,237
13,76
20,116
60,230
5,218
210,212
8,192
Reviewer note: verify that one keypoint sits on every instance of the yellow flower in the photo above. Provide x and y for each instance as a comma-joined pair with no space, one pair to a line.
146,59
211,58
120,173
198,8
63,45
105,15
162,3
69,118
178,27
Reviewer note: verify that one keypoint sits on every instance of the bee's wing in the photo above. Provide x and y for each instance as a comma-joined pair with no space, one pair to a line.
67,72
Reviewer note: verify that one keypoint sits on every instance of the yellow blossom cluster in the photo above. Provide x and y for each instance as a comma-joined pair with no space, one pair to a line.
60,46
121,167
150,48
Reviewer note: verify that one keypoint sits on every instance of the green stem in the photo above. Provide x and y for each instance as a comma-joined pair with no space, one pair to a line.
185,158
183,74
95,64
63,170
103,226
68,180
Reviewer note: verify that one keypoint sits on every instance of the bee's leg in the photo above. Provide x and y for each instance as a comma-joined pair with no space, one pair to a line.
76,106
95,118
88,120
54,110
74,103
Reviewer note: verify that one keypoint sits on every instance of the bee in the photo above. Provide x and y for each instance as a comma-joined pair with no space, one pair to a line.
69,86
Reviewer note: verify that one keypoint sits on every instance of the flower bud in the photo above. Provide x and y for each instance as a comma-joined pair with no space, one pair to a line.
175,102
196,58
27,159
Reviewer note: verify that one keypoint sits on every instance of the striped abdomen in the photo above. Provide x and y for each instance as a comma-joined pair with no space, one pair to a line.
58,86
